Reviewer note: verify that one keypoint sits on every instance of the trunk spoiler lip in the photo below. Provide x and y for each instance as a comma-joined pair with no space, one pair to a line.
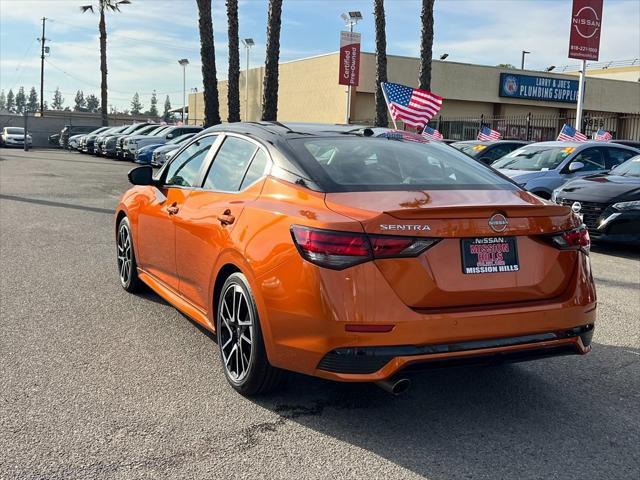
479,211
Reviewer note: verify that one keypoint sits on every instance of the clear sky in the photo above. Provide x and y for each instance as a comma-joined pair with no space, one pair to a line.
147,38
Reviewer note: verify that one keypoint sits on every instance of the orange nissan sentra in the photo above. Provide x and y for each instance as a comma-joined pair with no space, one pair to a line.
353,254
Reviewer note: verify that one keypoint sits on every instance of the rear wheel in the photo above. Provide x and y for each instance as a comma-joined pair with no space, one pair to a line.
242,352
126,258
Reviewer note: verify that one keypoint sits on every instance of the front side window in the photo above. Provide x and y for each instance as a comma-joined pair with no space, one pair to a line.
229,166
367,164
184,170
592,158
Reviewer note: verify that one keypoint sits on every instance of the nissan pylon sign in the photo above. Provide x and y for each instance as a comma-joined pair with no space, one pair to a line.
586,25
349,58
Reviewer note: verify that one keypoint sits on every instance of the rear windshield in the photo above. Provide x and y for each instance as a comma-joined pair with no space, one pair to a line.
15,131
534,159
370,163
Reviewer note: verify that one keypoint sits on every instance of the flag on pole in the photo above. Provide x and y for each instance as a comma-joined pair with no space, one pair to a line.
602,135
570,134
431,134
413,106
486,134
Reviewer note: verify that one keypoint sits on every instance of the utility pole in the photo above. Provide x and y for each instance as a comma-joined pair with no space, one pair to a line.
42,40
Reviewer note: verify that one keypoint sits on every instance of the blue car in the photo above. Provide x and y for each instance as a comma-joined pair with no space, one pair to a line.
143,155
543,167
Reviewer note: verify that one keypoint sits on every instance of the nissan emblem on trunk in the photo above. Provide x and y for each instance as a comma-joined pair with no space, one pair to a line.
498,223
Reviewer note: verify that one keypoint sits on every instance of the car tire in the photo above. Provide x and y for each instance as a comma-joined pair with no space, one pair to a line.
126,258
238,332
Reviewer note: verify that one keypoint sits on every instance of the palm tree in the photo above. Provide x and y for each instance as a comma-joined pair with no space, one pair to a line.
381,63
233,92
103,6
270,86
208,56
426,45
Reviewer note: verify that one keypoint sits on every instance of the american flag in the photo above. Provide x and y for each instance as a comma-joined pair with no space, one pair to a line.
486,134
413,106
602,135
431,134
570,134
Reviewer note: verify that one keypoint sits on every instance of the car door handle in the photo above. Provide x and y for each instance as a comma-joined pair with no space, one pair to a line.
173,209
226,218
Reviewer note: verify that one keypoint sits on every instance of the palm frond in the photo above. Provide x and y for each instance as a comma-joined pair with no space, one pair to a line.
86,8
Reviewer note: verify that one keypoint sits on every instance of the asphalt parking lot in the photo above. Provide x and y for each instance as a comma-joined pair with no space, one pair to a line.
97,383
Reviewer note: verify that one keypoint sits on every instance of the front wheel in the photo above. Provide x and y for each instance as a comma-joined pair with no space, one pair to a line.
240,341
126,258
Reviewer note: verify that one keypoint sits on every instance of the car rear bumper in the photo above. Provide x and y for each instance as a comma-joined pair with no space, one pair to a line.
333,336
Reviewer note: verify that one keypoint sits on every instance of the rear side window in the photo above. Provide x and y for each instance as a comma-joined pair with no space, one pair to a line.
361,163
229,165
184,169
618,156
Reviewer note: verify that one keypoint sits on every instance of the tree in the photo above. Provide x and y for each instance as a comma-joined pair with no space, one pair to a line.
21,100
506,65
93,104
166,116
426,44
233,83
11,101
32,104
153,110
136,106
57,100
3,100
81,103
208,57
381,63
270,85
104,6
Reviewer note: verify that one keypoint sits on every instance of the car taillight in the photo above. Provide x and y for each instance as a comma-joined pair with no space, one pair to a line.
576,239
339,250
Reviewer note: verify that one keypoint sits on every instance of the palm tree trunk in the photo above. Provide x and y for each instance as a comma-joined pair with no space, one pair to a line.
233,93
270,86
103,67
426,46
381,63
208,56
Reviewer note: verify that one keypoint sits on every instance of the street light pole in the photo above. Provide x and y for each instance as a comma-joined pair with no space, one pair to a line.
524,52
248,43
184,62
580,106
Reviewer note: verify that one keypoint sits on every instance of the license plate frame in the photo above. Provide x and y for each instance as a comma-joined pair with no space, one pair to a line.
488,255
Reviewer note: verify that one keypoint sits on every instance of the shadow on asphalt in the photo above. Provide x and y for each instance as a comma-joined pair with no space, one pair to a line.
485,422
623,251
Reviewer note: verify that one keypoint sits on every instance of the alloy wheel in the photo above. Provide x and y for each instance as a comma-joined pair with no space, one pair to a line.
237,332
124,254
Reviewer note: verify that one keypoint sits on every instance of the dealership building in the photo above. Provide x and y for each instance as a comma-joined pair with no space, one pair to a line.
519,103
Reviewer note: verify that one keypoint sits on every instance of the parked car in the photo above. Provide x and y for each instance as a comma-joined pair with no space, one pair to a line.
352,257
543,167
133,143
108,143
149,127
128,154
488,152
629,143
164,152
87,141
97,146
74,141
54,139
14,137
608,203
143,155
70,130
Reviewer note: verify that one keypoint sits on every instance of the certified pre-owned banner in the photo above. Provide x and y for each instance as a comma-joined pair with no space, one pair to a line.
586,25
349,58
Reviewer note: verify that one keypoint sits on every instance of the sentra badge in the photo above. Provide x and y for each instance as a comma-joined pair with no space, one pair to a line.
405,228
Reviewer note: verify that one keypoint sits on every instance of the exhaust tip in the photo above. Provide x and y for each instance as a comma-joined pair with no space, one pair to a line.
395,386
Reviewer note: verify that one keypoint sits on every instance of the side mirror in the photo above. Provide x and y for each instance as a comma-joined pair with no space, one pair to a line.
141,175
575,166
170,136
